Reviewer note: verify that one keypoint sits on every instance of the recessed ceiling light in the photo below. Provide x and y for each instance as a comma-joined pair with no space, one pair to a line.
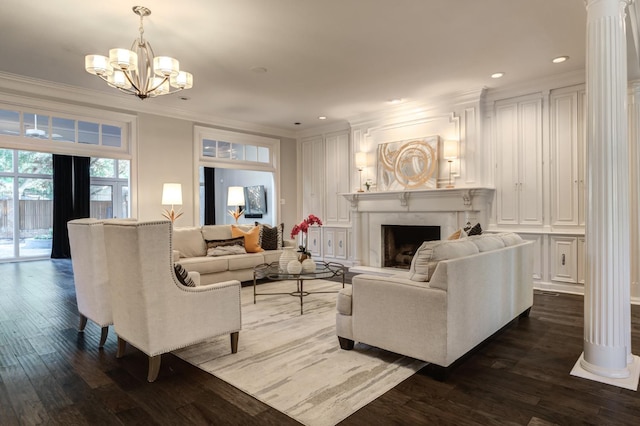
497,75
297,123
559,59
322,117
259,70
394,101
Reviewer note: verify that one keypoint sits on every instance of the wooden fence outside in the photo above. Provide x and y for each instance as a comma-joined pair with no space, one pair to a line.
36,216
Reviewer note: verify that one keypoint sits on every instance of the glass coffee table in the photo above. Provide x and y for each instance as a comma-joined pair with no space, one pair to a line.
272,271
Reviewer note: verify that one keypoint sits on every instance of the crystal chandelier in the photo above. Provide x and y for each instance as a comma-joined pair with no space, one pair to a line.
157,75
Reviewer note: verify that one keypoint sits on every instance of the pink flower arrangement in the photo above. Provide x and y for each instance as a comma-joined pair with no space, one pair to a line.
304,228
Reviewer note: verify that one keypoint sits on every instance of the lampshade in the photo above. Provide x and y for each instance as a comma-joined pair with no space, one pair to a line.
450,150
235,196
361,160
172,194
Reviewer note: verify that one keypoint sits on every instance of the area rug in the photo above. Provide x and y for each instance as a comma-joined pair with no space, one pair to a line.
293,362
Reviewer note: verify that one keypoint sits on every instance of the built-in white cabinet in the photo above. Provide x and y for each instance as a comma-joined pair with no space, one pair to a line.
567,259
314,242
335,243
337,177
325,174
518,129
567,146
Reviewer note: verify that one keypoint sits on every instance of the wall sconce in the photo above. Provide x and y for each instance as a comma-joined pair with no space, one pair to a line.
450,153
171,195
235,197
361,163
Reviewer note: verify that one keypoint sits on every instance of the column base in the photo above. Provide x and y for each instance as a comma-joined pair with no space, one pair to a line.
630,382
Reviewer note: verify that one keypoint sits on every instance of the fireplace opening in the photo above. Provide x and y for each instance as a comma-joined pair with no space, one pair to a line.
400,242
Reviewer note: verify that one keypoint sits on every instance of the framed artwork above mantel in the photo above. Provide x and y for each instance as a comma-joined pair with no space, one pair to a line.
410,164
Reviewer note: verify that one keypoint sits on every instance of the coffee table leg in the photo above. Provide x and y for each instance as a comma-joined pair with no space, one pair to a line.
254,287
300,287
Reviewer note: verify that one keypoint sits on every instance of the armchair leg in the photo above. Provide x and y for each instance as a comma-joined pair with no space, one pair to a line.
154,368
346,344
103,336
235,336
83,323
122,345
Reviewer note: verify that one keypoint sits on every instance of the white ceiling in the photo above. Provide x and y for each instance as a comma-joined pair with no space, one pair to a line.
337,58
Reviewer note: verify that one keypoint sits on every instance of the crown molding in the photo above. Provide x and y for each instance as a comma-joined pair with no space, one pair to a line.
424,107
43,89
557,81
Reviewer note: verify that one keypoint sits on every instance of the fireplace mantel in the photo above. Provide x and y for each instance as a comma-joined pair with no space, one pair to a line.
448,208
426,200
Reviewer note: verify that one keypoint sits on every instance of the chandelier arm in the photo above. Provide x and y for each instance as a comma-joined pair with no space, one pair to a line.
160,84
133,84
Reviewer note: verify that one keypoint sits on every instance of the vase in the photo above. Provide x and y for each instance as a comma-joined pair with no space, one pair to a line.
288,254
294,267
308,266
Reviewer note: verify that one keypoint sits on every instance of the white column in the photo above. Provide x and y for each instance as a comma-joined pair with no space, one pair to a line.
634,189
607,291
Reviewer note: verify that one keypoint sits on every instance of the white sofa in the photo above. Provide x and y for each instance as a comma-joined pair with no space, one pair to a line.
456,295
190,250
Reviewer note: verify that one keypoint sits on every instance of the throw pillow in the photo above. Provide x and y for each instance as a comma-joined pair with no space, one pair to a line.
251,243
271,238
457,235
183,276
475,230
226,250
226,246
430,253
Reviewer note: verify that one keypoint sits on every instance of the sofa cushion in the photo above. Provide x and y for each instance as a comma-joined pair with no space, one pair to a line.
271,238
431,252
244,261
205,264
216,232
487,242
250,238
343,305
510,238
189,242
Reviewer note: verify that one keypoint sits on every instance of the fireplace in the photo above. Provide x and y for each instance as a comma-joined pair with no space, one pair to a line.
400,242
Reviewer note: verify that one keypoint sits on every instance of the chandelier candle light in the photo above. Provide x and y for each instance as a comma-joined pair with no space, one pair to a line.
156,75
172,195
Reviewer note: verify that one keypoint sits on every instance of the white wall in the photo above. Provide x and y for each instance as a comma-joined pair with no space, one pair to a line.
165,154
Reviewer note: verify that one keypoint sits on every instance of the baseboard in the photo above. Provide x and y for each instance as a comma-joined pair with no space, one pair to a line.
569,289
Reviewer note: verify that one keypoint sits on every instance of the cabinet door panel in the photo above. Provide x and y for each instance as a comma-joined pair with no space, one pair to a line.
564,265
530,120
314,245
565,161
507,167
329,243
537,254
341,244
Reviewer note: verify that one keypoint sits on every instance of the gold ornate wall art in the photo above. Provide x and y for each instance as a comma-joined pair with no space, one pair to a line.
408,164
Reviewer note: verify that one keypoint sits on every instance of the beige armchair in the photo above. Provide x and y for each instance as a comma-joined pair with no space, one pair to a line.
151,309
89,261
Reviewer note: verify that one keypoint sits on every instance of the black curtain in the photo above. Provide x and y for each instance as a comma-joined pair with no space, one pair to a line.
70,199
209,196
81,187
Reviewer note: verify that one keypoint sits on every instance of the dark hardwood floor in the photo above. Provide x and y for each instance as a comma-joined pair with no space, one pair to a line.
51,374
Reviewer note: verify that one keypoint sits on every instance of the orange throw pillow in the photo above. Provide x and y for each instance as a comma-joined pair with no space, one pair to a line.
251,238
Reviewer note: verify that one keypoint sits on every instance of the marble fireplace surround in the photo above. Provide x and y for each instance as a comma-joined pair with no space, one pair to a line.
448,208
